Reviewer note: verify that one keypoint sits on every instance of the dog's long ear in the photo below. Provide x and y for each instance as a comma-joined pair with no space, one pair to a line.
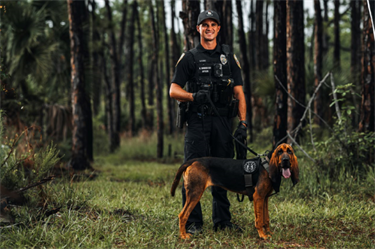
294,167
274,172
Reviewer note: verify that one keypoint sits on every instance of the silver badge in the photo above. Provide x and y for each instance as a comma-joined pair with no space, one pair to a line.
223,59
250,167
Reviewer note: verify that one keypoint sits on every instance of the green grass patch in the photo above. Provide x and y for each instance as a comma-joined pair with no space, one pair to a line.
129,205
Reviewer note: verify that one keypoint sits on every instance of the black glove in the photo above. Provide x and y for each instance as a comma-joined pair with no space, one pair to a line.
201,97
241,135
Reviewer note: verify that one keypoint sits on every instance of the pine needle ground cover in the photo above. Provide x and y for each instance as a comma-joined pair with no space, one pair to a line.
129,206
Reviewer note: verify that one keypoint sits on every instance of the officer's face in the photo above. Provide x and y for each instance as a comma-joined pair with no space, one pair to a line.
208,29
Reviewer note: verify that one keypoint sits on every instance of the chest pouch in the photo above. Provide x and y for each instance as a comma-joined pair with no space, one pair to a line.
251,175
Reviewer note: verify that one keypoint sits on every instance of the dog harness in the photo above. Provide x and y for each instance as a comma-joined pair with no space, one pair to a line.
251,169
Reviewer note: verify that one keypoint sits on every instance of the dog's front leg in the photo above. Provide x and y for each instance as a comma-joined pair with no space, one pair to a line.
266,217
259,206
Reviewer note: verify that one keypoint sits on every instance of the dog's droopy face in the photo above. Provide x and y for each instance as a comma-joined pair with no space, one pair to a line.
284,162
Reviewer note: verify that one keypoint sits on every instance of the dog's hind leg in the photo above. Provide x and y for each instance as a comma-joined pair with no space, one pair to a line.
196,181
191,202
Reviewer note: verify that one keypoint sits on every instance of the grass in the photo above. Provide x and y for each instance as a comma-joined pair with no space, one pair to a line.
129,206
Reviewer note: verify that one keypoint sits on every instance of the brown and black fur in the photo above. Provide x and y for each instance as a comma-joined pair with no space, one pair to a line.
200,173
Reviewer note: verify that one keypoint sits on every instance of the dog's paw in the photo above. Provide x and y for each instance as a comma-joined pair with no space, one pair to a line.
262,235
185,236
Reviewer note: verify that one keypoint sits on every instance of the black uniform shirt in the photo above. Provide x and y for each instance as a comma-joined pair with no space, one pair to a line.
186,68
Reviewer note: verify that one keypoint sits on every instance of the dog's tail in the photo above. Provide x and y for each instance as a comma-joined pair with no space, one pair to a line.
178,176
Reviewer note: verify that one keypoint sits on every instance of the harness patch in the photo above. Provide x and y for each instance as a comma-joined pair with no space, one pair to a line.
182,56
249,167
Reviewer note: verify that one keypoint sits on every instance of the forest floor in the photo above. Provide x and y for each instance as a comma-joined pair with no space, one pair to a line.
128,205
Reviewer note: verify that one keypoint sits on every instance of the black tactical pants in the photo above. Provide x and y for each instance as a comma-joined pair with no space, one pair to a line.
208,136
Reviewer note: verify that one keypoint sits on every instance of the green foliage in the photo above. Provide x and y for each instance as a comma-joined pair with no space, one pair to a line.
20,169
345,153
129,205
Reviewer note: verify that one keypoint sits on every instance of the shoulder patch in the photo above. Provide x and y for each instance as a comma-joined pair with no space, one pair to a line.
238,63
182,56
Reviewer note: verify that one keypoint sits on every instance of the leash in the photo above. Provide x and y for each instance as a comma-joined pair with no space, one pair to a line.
229,130
239,142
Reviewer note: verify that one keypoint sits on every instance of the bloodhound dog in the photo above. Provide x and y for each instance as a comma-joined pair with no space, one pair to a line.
200,173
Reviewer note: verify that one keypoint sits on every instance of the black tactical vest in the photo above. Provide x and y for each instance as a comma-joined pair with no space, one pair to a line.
213,74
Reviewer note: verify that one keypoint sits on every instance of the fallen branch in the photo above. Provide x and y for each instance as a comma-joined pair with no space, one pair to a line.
47,179
309,104
44,180
294,141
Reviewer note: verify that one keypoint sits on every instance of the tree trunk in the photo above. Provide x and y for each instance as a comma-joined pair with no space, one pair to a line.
151,93
122,37
130,71
228,23
356,40
97,75
259,34
318,60
116,105
171,126
337,45
266,52
325,31
279,69
246,67
141,69
189,16
81,108
159,105
295,58
108,97
176,50
252,43
368,74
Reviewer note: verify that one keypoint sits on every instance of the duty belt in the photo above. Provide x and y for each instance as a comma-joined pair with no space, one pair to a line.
208,110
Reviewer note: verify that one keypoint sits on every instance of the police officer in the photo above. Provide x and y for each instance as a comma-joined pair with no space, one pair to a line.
212,75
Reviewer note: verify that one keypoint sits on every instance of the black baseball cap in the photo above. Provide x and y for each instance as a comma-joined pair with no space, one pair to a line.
208,14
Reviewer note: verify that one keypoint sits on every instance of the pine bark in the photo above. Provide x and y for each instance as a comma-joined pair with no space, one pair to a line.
189,16
252,43
295,58
115,82
318,60
130,61
246,67
366,123
141,69
81,108
259,34
325,32
355,60
170,104
159,106
97,75
279,69
337,45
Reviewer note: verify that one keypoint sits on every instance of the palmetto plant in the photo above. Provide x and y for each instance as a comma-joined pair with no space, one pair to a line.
34,51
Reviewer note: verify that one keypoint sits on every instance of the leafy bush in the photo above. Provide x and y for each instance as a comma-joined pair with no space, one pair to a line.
346,150
16,171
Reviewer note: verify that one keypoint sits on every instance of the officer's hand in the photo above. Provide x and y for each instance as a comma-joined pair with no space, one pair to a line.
240,132
201,97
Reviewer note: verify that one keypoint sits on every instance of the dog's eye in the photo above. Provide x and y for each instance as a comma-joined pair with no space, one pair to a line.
289,151
280,152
